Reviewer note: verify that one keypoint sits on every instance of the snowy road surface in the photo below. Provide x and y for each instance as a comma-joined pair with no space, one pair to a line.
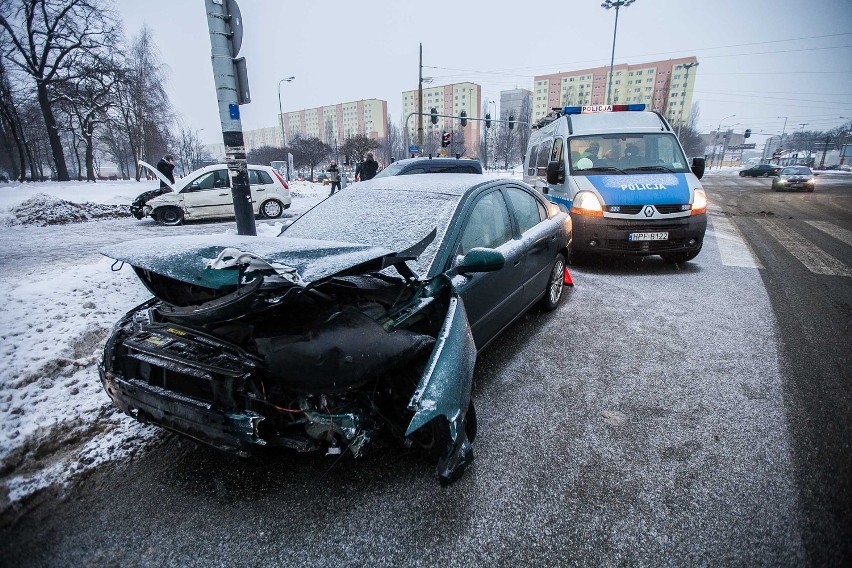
643,422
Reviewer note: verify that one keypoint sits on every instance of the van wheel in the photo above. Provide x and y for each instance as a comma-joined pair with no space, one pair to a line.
271,209
170,216
678,257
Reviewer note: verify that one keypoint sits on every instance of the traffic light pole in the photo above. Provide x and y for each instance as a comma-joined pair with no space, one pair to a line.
422,114
222,17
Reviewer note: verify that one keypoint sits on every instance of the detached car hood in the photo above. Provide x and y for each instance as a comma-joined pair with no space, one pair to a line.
222,261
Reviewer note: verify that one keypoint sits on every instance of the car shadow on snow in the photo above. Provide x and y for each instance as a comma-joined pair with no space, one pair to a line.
633,265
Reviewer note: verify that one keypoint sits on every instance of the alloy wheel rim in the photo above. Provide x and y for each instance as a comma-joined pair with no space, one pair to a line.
556,282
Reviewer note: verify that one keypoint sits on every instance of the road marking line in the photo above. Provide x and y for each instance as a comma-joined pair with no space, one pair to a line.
833,230
733,248
814,258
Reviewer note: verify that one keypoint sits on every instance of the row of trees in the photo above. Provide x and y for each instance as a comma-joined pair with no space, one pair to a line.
74,91
311,152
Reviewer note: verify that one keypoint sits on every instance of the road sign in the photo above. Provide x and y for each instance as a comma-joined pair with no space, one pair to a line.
414,148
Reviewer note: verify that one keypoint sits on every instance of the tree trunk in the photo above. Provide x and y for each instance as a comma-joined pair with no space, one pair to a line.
88,134
52,132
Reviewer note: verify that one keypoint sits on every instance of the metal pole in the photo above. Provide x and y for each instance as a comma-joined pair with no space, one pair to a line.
420,102
284,132
227,95
715,137
686,66
612,59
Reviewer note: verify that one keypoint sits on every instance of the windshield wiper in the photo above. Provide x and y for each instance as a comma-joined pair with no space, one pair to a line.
601,168
653,169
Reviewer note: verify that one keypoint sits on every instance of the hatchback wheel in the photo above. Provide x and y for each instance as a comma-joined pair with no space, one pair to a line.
553,292
271,209
169,216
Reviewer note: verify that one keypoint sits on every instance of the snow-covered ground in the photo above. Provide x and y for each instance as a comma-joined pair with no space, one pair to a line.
56,423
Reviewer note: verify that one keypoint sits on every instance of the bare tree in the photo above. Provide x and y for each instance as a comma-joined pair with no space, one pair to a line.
524,130
309,152
190,152
142,109
356,147
396,141
47,38
267,154
690,138
13,134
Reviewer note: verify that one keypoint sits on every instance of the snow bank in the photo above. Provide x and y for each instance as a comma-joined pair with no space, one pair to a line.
43,209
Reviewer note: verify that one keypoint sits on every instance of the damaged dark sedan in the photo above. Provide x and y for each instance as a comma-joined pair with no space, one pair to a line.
359,324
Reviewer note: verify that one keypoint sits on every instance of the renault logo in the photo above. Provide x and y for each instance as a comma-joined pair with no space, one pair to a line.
649,211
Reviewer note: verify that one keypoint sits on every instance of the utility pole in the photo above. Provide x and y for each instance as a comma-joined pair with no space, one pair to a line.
420,102
225,24
686,66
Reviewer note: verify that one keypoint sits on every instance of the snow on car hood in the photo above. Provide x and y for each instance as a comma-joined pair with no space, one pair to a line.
213,261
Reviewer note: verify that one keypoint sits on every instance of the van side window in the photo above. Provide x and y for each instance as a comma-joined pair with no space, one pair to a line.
532,158
543,155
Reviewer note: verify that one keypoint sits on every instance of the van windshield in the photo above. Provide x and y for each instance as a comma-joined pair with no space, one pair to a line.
625,153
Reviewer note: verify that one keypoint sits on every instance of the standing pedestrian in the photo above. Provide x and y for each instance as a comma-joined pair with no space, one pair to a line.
333,176
368,168
166,166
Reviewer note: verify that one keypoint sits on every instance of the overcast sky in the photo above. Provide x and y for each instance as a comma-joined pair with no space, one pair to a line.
758,59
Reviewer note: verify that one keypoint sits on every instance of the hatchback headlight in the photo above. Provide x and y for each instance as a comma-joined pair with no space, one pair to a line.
587,203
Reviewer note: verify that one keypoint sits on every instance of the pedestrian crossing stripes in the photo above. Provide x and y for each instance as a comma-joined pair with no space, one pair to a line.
814,259
833,230
732,246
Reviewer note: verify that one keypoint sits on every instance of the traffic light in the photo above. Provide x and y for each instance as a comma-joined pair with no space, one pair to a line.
434,112
446,138
463,118
487,121
747,133
511,122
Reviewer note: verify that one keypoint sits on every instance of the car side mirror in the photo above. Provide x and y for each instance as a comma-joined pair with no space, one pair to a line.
698,165
555,172
480,259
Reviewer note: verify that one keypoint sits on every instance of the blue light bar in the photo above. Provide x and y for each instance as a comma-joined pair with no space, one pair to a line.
601,108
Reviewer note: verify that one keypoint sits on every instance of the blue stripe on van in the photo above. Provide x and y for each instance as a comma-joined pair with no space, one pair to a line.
566,203
642,189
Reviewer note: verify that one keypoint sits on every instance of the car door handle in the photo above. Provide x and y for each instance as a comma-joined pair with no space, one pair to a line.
260,189
222,194
517,262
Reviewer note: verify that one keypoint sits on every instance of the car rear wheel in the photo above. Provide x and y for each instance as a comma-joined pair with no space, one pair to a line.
678,257
169,216
742,174
272,209
555,283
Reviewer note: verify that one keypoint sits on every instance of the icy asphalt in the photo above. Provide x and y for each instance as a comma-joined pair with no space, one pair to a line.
642,423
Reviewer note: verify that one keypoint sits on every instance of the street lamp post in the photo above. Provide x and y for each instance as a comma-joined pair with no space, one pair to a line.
607,4
284,132
686,66
716,137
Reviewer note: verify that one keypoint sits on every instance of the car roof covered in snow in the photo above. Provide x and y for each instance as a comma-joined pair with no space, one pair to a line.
449,184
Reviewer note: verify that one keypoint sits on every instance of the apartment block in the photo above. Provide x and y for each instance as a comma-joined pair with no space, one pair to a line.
513,101
333,124
449,100
665,86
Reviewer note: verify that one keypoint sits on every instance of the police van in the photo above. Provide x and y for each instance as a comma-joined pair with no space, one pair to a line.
622,174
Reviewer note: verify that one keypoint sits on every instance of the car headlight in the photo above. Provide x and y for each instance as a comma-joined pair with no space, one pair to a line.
587,203
699,202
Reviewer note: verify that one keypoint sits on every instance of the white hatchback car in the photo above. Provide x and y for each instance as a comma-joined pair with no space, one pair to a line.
206,194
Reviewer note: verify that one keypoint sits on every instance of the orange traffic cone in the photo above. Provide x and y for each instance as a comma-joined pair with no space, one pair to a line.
568,281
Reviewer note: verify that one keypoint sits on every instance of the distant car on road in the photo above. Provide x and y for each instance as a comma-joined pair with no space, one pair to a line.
412,166
760,170
206,194
794,177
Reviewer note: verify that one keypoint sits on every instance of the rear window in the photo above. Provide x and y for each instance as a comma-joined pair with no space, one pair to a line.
258,177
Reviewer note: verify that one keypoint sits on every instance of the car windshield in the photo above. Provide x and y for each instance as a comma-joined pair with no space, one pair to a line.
625,153
801,171
391,170
392,219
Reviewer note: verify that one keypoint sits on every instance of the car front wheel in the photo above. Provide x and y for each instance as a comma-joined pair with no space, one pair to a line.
555,283
271,209
170,216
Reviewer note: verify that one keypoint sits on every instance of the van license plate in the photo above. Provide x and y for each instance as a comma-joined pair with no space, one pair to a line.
648,237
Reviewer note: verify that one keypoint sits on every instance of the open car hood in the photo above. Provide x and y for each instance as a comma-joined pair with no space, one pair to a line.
222,261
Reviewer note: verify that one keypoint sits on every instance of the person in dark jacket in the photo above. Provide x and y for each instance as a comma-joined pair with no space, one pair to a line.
166,166
333,177
368,168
